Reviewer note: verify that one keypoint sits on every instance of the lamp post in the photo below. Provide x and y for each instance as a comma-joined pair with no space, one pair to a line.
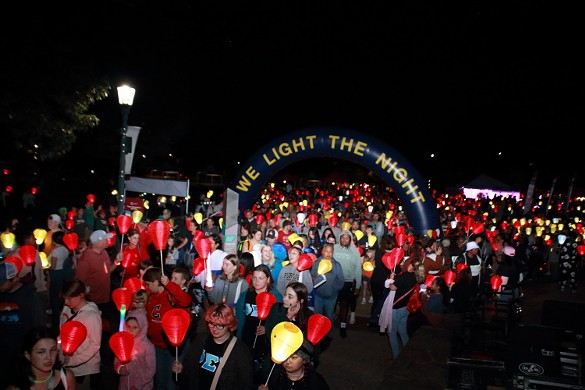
125,98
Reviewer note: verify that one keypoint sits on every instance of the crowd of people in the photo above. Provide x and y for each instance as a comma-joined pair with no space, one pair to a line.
316,251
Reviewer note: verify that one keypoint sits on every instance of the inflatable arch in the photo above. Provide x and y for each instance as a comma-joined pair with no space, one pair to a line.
364,150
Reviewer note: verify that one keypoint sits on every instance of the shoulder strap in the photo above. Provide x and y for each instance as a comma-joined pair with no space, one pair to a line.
405,294
224,358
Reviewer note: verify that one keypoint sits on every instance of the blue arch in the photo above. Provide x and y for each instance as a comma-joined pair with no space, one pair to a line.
361,149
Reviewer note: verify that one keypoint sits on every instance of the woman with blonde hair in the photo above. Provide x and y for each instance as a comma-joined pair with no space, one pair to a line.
268,259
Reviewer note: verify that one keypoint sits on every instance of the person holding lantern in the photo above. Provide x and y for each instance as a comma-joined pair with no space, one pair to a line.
131,254
61,270
85,360
289,273
223,361
296,372
229,286
37,366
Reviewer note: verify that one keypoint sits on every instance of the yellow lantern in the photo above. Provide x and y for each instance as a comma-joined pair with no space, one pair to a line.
528,230
137,216
345,226
372,240
286,339
198,218
146,204
44,260
40,235
285,263
210,193
324,267
293,238
359,234
221,223
368,266
7,239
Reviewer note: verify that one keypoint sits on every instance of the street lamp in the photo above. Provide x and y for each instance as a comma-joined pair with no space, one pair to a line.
125,98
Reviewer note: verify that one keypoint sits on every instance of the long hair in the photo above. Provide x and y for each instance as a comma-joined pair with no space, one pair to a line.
304,312
266,271
235,261
272,259
73,288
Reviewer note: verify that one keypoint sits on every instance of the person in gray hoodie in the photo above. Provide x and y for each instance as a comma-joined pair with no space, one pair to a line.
327,285
347,254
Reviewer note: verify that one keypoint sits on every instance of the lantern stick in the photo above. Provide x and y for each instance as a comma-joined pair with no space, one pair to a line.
122,316
162,268
177,359
255,337
272,369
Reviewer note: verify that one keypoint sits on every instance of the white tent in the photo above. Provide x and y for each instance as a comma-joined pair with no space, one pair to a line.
160,187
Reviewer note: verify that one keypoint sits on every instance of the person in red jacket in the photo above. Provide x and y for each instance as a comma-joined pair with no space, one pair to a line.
164,296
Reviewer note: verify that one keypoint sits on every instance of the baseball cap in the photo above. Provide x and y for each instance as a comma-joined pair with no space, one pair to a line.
271,233
471,245
55,217
287,222
99,235
7,271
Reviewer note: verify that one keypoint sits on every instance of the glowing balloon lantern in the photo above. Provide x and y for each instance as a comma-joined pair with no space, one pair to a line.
133,284
392,259
324,266
44,260
124,222
198,266
461,266
264,302
333,220
345,226
91,198
429,280
372,240
198,218
581,249
71,240
203,247
7,239
317,327
40,235
159,231
122,343
293,238
259,218
16,261
313,219
175,323
72,335
305,262
286,338
368,266
449,277
301,217
496,282
137,216
69,224
359,234
221,223
122,296
27,253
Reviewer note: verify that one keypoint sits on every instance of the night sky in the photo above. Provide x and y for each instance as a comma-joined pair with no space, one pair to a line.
463,80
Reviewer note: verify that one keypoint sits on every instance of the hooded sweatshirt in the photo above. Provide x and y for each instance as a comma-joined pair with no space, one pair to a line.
334,279
350,260
86,358
142,366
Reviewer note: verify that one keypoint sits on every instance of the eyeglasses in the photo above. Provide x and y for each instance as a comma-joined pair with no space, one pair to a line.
216,326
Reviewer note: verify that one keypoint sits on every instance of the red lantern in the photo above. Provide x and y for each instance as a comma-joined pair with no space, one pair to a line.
581,249
16,261
112,240
69,224
124,222
401,239
333,220
317,327
122,343
111,221
198,266
410,239
91,198
203,247
449,277
127,259
478,228
305,262
27,253
175,323
259,219
122,296
392,258
496,282
71,240
72,335
159,231
264,302
133,284
429,280
461,266
70,214
313,219
198,235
